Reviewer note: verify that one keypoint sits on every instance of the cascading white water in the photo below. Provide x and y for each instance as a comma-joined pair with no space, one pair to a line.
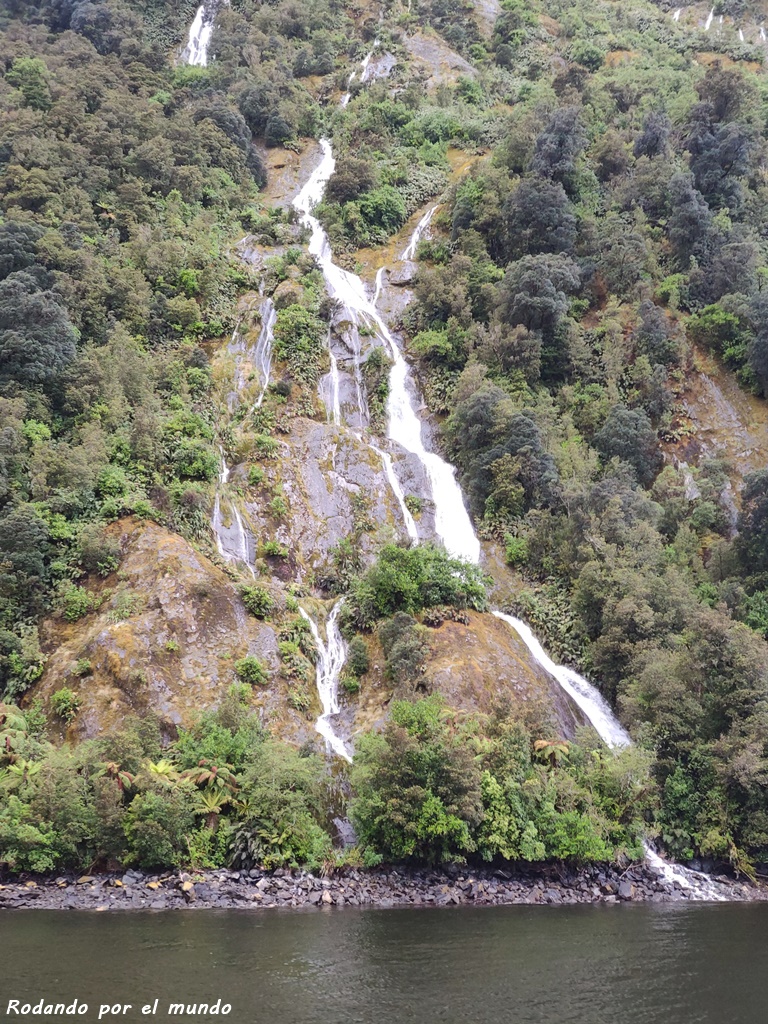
330,388
262,355
344,286
196,50
741,35
676,15
231,540
410,250
582,692
762,33
331,655
377,286
612,733
709,20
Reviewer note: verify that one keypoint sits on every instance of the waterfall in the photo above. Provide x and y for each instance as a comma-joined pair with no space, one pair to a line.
330,661
741,34
196,50
452,521
363,76
377,286
349,290
583,693
232,541
710,19
262,355
676,15
330,388
762,33
410,250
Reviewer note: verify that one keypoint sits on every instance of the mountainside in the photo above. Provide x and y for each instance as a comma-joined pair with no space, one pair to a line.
327,332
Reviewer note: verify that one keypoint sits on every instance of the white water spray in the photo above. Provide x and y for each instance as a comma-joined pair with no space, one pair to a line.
762,33
347,288
331,655
262,356
231,539
741,34
709,20
582,692
410,250
676,15
196,50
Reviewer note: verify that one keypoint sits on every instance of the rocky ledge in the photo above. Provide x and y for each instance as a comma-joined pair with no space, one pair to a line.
224,889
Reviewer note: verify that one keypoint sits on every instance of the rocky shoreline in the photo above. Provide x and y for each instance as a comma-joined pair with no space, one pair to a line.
258,890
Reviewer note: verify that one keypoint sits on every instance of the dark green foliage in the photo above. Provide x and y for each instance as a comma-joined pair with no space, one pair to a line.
753,522
251,670
405,647
358,661
628,435
538,218
421,794
410,579
558,146
37,340
257,600
299,337
418,789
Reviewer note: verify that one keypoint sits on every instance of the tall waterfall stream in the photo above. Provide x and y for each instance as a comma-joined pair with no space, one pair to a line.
452,522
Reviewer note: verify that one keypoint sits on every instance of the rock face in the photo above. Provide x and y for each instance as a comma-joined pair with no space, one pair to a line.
164,638
330,480
473,664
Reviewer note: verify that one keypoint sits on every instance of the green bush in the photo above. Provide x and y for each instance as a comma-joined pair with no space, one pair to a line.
76,602
411,579
65,704
257,600
358,661
251,670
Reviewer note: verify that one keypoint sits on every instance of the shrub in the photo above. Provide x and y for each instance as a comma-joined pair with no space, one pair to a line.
358,661
272,549
76,602
299,697
65,704
411,579
257,600
251,670
515,550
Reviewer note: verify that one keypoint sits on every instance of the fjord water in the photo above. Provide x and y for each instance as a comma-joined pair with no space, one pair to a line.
636,964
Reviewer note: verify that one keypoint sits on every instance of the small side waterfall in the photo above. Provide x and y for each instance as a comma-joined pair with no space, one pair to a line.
410,250
201,29
332,654
329,388
698,886
582,692
232,540
710,19
262,354
741,35
676,15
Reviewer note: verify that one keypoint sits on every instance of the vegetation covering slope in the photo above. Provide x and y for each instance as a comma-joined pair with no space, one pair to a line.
612,225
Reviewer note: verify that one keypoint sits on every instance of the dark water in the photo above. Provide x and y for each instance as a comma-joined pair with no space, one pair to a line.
514,965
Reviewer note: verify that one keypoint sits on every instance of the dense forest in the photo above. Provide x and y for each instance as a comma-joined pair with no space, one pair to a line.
606,231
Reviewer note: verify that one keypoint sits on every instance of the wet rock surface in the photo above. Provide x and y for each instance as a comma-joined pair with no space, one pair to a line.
163,639
257,890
